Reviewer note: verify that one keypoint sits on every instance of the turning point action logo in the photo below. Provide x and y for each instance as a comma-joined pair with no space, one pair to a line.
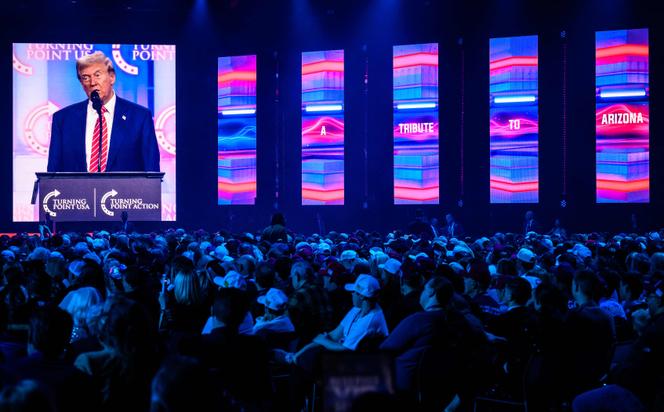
109,203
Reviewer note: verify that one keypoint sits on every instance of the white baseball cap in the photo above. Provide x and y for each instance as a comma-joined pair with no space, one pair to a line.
365,285
274,299
392,266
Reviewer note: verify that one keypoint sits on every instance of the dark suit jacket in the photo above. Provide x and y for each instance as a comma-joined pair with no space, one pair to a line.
133,140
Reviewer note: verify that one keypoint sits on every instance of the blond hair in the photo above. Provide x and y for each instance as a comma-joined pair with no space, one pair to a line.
94,58
187,289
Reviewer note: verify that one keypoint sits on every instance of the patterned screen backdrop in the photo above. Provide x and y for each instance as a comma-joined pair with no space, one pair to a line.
236,130
44,81
513,127
622,116
323,128
415,123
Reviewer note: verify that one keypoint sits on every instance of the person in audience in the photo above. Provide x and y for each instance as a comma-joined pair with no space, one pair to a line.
546,374
309,305
420,226
515,326
452,227
123,369
364,320
419,331
78,303
233,280
275,319
276,232
631,288
527,266
50,329
184,310
239,362
558,230
589,336
140,285
335,277
530,224
476,284
637,384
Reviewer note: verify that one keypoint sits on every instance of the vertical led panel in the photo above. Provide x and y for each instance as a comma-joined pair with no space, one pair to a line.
513,123
323,128
236,135
622,147
415,123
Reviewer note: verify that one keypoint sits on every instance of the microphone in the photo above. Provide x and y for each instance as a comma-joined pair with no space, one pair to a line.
96,100
97,104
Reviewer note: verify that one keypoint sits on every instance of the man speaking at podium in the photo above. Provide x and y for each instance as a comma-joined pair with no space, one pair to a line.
122,139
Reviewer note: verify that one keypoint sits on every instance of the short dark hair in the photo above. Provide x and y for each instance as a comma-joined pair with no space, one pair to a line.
443,289
550,298
278,219
588,283
521,290
479,271
411,278
230,307
264,275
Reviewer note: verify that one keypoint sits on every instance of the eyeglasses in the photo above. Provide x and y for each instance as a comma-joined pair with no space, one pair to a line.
86,78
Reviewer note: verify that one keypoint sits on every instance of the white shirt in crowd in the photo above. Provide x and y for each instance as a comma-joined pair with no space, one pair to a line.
355,327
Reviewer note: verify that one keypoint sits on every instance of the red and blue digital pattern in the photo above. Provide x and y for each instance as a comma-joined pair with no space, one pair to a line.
323,128
622,117
415,124
236,125
513,127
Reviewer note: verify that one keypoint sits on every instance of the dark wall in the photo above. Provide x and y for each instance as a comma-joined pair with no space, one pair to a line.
277,31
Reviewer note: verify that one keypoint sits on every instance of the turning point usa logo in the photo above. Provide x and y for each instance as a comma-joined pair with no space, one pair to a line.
52,203
73,51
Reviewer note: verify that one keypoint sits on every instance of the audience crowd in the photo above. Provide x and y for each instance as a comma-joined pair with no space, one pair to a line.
179,320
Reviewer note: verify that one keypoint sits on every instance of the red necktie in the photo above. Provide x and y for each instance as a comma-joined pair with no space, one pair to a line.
100,132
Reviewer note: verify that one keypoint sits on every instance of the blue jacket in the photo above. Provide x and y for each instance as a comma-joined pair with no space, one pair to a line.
133,140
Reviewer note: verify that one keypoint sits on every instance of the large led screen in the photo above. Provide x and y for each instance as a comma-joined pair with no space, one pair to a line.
622,149
236,137
135,79
513,123
323,128
415,123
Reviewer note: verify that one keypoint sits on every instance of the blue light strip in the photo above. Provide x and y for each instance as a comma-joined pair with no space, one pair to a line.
514,99
622,93
323,108
235,112
411,106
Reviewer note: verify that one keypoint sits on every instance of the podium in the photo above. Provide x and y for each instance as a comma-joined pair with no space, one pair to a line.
99,197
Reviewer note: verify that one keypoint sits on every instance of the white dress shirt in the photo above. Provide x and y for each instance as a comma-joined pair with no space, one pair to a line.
91,121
